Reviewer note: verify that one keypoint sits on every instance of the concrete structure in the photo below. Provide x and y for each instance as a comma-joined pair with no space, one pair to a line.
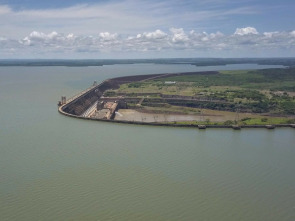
236,127
202,126
270,126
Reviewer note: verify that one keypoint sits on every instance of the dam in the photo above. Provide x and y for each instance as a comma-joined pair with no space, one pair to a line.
92,104
85,103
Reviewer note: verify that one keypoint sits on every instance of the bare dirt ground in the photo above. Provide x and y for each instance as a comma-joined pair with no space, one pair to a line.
211,115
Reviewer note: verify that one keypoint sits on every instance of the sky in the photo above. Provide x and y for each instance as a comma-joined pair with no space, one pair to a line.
105,29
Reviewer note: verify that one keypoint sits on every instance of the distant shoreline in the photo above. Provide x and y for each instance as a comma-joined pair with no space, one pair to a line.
201,62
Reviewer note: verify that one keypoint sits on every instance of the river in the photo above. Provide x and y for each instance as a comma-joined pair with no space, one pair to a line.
57,168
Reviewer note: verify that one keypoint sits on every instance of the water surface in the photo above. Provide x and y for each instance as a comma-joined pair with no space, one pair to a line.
58,168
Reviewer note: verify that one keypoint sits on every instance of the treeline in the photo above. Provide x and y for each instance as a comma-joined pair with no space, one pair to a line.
192,61
273,79
257,102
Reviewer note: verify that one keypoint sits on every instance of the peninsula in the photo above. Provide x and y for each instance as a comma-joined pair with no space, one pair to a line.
226,99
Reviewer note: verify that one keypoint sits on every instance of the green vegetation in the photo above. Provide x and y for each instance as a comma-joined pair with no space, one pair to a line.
265,121
268,91
110,93
272,79
251,121
135,85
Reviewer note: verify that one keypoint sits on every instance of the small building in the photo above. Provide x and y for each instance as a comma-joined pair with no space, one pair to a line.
170,82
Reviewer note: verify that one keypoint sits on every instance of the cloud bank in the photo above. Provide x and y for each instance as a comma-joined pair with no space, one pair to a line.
125,17
175,40
165,28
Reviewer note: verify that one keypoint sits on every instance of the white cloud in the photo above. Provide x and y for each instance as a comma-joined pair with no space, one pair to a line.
178,35
25,41
158,41
246,31
106,36
41,36
270,34
138,25
70,36
158,34
124,17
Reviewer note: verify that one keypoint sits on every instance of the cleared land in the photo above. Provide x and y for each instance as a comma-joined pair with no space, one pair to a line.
227,97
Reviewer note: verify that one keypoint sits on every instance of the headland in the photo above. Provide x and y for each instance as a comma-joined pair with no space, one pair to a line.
211,99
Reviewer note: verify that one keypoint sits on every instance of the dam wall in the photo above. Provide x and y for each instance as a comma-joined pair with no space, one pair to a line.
77,105
81,103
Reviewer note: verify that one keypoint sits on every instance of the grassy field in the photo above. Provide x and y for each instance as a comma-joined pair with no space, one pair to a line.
170,109
254,121
274,79
257,91
214,117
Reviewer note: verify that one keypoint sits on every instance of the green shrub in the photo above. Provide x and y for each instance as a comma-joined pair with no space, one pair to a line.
291,121
228,122
264,119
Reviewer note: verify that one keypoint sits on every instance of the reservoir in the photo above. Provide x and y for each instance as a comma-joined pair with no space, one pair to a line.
54,167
